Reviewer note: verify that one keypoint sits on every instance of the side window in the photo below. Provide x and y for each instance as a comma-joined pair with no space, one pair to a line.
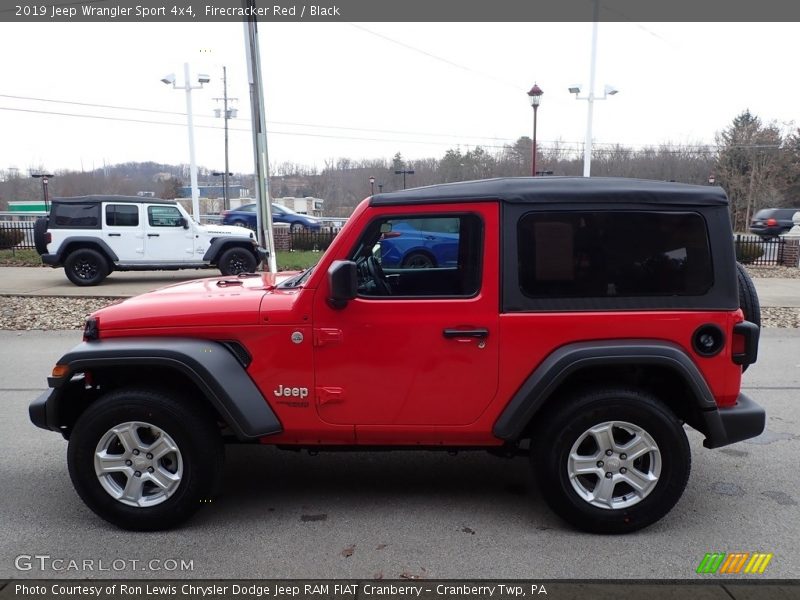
74,215
122,215
421,256
613,254
163,216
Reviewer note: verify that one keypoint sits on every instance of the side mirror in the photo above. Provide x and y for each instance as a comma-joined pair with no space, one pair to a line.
183,222
343,281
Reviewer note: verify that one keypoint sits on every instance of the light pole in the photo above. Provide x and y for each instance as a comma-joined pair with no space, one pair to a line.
404,172
536,97
226,114
371,186
380,188
576,89
201,79
45,178
712,179
224,175
587,148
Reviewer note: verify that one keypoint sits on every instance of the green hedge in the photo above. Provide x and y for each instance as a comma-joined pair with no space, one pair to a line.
10,238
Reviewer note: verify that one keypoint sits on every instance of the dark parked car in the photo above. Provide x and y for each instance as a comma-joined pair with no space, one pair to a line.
245,216
772,222
428,243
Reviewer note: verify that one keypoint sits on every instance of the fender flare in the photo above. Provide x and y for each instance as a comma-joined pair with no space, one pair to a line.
86,240
211,365
218,244
566,360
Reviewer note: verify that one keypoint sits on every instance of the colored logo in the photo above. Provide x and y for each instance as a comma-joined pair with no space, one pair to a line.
734,563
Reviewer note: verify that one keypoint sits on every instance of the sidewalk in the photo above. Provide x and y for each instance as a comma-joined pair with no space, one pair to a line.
38,281
44,281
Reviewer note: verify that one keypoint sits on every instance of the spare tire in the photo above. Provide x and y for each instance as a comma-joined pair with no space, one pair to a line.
748,297
39,238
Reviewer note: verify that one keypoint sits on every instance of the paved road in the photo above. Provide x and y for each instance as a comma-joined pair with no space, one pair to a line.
32,281
359,515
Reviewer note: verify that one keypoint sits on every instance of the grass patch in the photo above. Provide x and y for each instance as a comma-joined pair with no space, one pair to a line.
287,261
298,260
19,258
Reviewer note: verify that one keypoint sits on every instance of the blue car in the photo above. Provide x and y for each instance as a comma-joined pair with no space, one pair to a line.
245,216
420,244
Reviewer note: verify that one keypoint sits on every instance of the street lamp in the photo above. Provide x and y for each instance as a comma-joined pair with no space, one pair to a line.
535,95
371,186
201,79
224,175
608,90
45,178
712,179
226,113
404,172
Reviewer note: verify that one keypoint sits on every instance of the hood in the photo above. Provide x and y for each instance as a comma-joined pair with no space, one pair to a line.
227,230
217,301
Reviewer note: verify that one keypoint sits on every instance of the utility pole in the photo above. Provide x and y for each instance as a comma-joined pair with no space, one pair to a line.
226,114
259,120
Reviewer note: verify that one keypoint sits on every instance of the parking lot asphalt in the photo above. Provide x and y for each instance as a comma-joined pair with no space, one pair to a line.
36,281
400,514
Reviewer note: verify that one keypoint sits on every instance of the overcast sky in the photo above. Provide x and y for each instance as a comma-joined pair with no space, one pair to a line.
369,90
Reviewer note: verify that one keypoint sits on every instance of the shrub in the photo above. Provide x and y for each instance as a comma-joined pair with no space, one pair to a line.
10,238
748,253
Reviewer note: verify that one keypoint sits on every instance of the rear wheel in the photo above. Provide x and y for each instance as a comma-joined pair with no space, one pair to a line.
236,260
86,266
419,260
611,461
295,227
143,460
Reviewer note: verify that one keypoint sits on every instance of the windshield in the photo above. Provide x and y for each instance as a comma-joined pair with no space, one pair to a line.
298,279
284,209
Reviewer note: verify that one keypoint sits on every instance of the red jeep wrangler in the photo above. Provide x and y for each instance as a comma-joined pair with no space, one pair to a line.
581,321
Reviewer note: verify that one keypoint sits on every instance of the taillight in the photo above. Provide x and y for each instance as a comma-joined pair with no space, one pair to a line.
48,237
772,222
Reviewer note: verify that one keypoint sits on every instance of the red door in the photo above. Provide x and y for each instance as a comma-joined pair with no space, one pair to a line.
425,352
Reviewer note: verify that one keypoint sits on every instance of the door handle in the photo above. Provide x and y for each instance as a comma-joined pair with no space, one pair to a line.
114,234
153,234
466,333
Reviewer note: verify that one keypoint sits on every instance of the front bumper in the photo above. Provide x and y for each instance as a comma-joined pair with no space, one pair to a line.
742,421
42,411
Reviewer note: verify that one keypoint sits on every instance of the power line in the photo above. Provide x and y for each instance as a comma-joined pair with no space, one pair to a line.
553,145
439,58
183,114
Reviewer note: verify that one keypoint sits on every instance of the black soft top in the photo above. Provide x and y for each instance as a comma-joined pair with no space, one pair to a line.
520,190
110,198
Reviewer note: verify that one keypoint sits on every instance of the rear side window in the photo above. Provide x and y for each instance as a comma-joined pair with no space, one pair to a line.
613,254
122,215
74,215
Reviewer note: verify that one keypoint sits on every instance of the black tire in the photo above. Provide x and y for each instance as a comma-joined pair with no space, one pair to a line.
86,266
39,231
748,296
297,226
236,260
570,422
197,462
419,260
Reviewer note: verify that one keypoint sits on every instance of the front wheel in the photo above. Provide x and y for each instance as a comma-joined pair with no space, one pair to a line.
611,461
236,260
143,460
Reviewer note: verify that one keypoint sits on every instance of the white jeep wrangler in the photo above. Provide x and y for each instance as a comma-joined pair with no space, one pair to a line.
90,236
